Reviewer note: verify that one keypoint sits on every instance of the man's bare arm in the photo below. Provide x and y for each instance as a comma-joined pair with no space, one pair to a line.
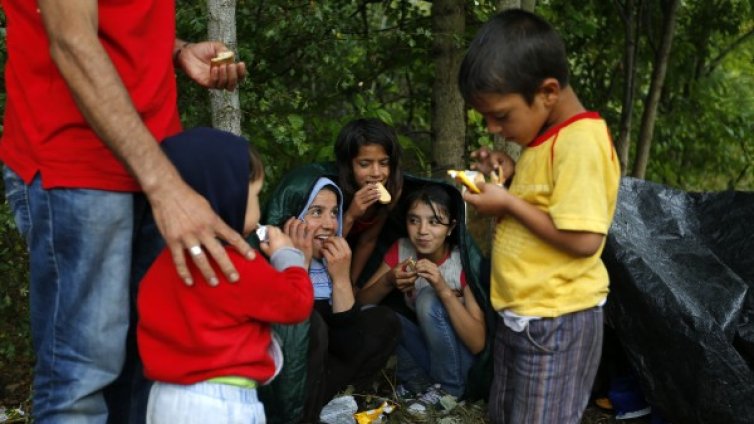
184,218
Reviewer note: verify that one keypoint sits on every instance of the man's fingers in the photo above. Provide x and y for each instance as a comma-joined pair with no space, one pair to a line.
235,74
234,239
222,77
220,255
205,268
177,251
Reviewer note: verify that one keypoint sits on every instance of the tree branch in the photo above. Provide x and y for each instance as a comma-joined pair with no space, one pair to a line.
717,60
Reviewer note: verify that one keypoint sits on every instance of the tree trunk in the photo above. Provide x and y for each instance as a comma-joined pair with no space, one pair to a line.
655,90
448,118
226,108
630,15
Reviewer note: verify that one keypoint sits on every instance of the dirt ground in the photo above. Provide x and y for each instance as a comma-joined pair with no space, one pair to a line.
15,387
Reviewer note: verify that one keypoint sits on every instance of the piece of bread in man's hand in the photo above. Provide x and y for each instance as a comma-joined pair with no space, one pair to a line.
223,58
385,196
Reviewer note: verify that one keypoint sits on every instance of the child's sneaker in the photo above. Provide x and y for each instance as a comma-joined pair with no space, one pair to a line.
434,397
627,398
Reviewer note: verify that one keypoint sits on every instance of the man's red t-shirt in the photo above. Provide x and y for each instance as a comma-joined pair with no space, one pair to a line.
44,132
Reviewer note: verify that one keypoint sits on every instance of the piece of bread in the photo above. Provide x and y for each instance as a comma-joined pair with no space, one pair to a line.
385,196
223,58
411,265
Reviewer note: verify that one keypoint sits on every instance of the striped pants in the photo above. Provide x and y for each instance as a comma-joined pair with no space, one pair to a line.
545,373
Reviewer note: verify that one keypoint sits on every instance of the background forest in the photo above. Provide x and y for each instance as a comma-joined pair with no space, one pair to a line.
673,78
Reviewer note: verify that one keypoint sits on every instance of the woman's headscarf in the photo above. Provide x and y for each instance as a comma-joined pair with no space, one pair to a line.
321,280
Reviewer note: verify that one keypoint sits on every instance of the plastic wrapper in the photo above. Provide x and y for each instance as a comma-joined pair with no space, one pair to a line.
682,271
374,416
467,178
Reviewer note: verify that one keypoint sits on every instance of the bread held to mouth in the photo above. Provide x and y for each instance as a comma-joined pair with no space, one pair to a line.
223,58
385,197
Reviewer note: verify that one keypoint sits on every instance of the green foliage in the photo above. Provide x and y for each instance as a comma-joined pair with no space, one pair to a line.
15,340
705,112
313,66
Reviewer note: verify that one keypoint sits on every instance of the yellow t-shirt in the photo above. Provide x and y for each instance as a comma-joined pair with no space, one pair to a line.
572,173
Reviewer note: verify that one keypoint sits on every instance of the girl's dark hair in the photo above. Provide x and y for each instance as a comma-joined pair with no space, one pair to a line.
512,54
438,199
256,168
364,132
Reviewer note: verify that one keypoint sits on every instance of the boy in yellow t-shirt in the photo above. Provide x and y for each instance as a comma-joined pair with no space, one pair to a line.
548,281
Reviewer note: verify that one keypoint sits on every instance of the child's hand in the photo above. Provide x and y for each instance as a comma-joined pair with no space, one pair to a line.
428,270
487,161
492,199
301,235
362,200
336,252
403,277
276,239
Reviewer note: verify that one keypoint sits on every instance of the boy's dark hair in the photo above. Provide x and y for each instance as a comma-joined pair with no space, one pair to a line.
363,132
438,199
256,168
513,53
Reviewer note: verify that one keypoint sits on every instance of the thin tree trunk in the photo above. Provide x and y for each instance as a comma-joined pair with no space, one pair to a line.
226,108
630,16
655,90
448,120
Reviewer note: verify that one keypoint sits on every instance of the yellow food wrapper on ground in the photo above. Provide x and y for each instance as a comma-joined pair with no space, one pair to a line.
373,416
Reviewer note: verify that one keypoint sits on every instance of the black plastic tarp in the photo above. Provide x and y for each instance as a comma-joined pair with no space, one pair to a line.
682,273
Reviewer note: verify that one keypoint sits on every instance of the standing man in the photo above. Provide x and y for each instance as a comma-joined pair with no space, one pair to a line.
90,92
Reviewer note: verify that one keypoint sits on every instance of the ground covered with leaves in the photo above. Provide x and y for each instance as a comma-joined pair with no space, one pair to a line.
464,412
15,406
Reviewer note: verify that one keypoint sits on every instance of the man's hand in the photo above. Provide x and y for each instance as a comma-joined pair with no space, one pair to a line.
186,221
194,59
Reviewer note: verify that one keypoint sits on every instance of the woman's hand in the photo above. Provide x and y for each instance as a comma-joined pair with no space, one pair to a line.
302,236
336,252
430,272
362,200
403,278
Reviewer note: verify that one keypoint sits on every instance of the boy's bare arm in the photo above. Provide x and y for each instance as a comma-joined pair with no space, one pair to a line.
497,201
